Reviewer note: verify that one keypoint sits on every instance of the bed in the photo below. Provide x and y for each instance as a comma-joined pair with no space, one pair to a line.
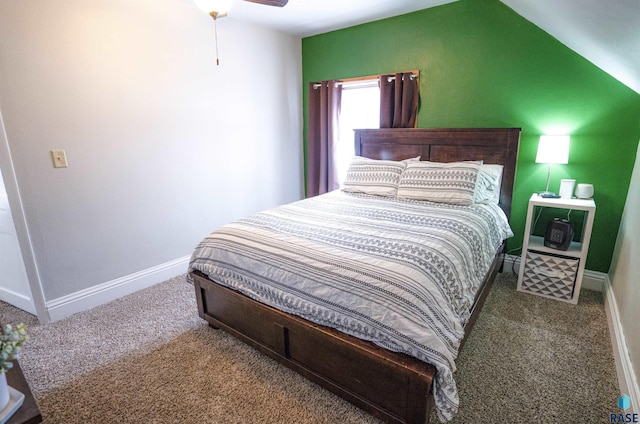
394,377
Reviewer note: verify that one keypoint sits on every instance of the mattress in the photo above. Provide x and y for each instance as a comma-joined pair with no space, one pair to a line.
400,273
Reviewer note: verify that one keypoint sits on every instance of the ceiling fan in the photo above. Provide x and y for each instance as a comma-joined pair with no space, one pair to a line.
278,3
220,8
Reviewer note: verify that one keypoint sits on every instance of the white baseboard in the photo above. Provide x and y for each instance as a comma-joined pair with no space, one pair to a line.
626,377
594,280
89,298
591,280
18,300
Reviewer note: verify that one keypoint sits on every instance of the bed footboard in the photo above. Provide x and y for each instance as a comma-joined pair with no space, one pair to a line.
391,386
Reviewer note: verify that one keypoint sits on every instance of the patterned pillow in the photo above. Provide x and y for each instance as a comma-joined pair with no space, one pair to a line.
453,182
488,184
370,176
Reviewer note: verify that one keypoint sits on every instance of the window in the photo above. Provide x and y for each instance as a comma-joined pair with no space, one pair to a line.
360,108
337,107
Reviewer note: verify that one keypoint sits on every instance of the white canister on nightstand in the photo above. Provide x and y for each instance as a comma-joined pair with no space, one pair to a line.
584,191
566,188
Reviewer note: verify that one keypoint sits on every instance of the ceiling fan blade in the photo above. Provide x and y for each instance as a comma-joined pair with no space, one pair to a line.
278,3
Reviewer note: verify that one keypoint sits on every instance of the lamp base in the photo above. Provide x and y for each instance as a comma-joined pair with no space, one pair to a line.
548,195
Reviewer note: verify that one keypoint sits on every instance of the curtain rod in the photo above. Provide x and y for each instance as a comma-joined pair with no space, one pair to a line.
363,82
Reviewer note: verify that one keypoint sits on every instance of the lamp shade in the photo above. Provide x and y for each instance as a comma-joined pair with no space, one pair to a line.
221,7
553,149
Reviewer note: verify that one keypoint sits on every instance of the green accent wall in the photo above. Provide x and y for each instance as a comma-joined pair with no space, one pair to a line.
483,65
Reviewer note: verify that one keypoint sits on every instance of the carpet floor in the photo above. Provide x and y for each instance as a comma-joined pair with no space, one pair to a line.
148,358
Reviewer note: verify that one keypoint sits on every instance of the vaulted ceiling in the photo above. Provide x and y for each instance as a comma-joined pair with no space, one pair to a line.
605,32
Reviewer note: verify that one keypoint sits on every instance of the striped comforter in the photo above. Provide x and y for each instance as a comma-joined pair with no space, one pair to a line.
400,273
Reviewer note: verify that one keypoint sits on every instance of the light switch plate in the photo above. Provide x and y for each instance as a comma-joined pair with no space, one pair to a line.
59,158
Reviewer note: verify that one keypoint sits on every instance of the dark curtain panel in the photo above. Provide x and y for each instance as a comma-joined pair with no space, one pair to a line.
322,137
398,101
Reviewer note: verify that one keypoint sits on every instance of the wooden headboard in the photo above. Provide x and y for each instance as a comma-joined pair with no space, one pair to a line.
492,145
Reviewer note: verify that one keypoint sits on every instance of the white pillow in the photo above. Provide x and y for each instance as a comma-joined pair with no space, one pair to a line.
453,182
379,177
488,184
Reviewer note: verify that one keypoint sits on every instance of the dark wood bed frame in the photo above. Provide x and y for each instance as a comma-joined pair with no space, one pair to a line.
391,386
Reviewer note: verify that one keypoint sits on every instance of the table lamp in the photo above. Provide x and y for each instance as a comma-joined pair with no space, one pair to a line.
552,149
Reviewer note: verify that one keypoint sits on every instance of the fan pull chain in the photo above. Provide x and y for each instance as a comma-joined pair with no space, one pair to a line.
215,29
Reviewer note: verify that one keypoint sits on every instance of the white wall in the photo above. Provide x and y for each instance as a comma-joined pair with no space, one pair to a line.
163,145
625,271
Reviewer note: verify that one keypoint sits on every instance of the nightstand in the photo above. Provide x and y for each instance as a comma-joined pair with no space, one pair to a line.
29,412
552,273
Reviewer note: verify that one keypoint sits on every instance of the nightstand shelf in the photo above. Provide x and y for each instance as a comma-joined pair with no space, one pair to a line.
552,273
537,243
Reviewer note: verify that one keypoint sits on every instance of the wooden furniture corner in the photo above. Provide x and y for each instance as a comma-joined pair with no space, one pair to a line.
29,412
